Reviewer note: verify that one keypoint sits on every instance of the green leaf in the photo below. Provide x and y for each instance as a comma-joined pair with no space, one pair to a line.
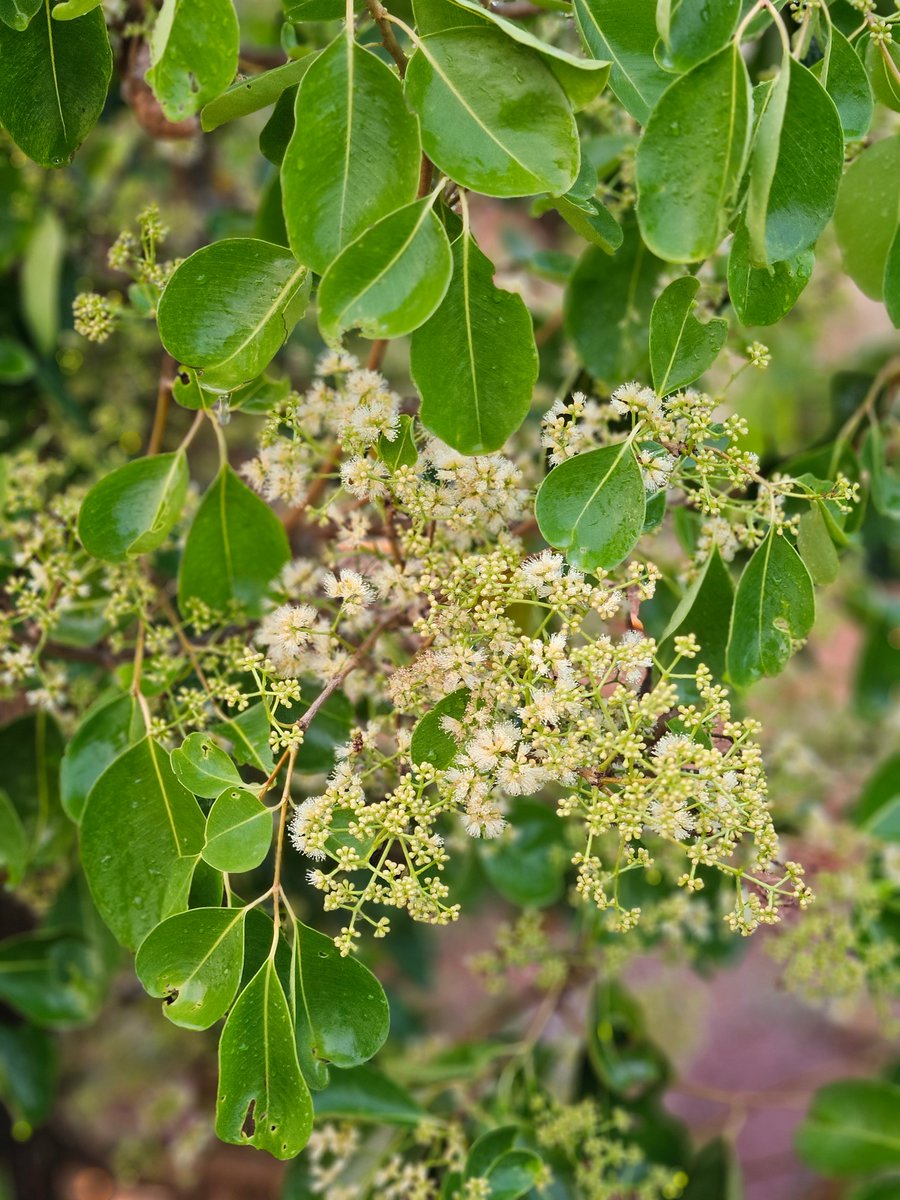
884,483
527,864
592,507
329,729
17,13
715,1173
877,1189
53,83
250,95
70,9
13,841
705,610
228,309
132,510
203,767
691,158
16,364
606,308
106,732
430,742
248,733
852,1127
40,281
43,977
866,217
878,807
262,1100
815,544
390,280
193,960
891,286
796,167
28,1072
354,156
623,1057
314,10
581,79
401,452
763,295
235,548
238,831
475,362
693,30
624,32
587,216
30,749
493,116
364,1094
681,348
141,836
844,78
885,83
193,53
342,1014
511,1172
774,606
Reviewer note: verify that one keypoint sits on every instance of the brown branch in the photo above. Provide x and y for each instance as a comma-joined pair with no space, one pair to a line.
163,403
388,37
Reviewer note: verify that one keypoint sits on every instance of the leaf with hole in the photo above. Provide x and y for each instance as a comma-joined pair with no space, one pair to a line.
474,361
390,280
238,831
53,83
194,48
681,347
262,1100
193,961
235,547
133,509
493,116
203,767
141,836
229,308
691,158
774,607
354,155
592,507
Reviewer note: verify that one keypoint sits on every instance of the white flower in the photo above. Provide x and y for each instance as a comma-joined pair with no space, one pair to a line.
287,633
541,571
349,587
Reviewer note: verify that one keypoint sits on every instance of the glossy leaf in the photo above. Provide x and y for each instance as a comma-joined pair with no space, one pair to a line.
13,841
70,9
193,961
866,217
623,32
607,305
248,733
844,78
493,116
852,1127
262,1098
430,741
203,767
30,749
106,732
581,79
510,1170
390,280
235,547
17,13
364,1094
474,361
342,1014
238,831
588,217
705,610
53,83
891,285
885,83
796,167
132,510
693,30
763,295
228,309
774,605
592,507
250,95
401,450
354,155
681,347
815,545
28,1072
691,158
193,54
141,836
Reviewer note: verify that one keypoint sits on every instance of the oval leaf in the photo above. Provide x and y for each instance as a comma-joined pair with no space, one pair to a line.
763,295
691,158
430,741
228,309
681,348
104,734
474,361
193,53
238,831
624,33
203,767
390,280
354,155
132,510
193,961
692,30
844,78
592,507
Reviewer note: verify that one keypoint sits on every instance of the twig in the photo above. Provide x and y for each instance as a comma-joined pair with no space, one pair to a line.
163,403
